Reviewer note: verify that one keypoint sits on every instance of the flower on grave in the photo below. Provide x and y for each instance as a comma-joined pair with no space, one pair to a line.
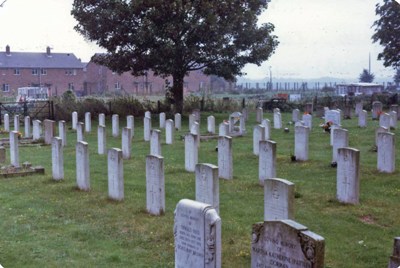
327,126
306,113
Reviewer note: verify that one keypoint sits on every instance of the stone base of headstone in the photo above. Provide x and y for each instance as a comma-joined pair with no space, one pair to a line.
11,171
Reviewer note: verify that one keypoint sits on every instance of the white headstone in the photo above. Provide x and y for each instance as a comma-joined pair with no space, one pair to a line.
258,135
301,138
393,119
386,152
362,118
191,152
147,114
307,119
115,171
277,120
195,130
278,199
376,109
211,124
225,158
74,120
130,123
192,119
57,159
267,125
62,132
126,143
207,185
178,121
79,131
102,119
14,150
155,142
359,108
267,161
101,139
197,233
384,120
169,131
82,166
348,175
259,115
115,125
27,126
146,128
16,123
155,185
333,116
340,140
36,130
295,115
377,131
223,129
162,118
333,127
88,122
7,122
49,126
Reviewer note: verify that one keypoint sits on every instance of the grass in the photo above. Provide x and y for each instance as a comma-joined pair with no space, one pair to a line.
51,224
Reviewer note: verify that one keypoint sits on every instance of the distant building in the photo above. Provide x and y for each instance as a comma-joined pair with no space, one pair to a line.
356,89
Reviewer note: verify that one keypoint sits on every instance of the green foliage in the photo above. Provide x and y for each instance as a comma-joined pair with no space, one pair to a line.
95,106
173,37
387,32
129,106
366,76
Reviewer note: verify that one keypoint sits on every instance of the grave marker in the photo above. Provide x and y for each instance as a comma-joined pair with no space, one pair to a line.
62,132
393,120
155,144
386,152
82,166
301,138
130,123
178,121
384,120
155,185
101,139
57,159
259,115
191,152
7,122
88,122
211,124
37,130
223,129
207,185
16,122
340,140
169,131
162,119
362,118
115,171
79,132
74,120
126,143
376,109
49,126
27,126
348,175
266,161
146,128
278,199
14,150
225,158
115,125
277,120
102,119
258,135
295,115
267,126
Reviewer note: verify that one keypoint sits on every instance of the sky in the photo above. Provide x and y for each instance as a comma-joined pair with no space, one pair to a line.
318,38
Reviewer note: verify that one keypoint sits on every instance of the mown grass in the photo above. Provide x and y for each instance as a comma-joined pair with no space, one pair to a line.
51,224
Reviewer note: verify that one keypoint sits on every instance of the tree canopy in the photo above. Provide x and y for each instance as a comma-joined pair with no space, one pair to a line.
174,37
366,76
387,32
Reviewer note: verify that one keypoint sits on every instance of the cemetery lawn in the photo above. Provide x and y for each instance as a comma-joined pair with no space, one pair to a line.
51,224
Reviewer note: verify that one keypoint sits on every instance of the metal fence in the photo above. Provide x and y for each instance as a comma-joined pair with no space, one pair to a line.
35,110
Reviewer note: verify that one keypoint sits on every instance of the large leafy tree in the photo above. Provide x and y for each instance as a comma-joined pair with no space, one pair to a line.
174,37
387,32
366,76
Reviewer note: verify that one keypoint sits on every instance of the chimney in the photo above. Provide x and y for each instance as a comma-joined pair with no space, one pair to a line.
48,52
8,52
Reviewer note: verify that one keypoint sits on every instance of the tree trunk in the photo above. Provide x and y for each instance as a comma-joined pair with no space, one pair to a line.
177,90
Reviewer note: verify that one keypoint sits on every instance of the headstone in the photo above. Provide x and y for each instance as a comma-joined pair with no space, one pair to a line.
295,115
267,125
169,131
319,113
88,122
2,154
362,118
74,120
376,109
377,131
130,123
197,115
393,120
62,132
126,143
278,199
27,126
192,119
277,120
309,108
307,119
36,130
245,114
259,115
267,161
16,122
207,185
395,108
162,118
348,175
101,139
14,150
223,129
155,185
146,128
49,126
347,113
197,233
178,121
115,125
333,127
359,108
211,124
191,152
386,152
225,158
384,120
236,124
102,119
195,130
115,171
147,114
79,131
333,116
258,135
155,142
286,243
301,138
82,166
6,122
340,140
394,261
57,159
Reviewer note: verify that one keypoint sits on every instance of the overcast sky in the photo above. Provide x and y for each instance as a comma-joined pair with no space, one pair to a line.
317,37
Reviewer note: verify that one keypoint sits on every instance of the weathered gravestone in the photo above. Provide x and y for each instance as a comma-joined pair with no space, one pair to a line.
130,123
146,128
394,261
197,233
126,143
14,150
62,132
147,114
347,112
386,152
16,123
101,139
278,199
74,120
37,130
155,142
333,116
376,109
295,115
245,114
178,121
115,125
88,122
115,171
57,159
82,166
102,119
377,131
197,115
211,124
395,108
277,120
169,131
348,175
362,118
155,185
236,124
266,161
258,135
267,128
225,159
259,115
301,138
6,122
307,119
340,140
162,118
27,126
309,108
195,130
49,127
393,120
207,185
223,129
384,120
192,119
191,152
286,243
359,108
79,131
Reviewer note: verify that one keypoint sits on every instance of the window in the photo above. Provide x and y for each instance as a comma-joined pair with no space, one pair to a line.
6,88
117,86
16,72
71,86
70,72
35,71
43,71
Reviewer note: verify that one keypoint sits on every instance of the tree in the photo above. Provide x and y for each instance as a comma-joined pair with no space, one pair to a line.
174,37
366,76
387,32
